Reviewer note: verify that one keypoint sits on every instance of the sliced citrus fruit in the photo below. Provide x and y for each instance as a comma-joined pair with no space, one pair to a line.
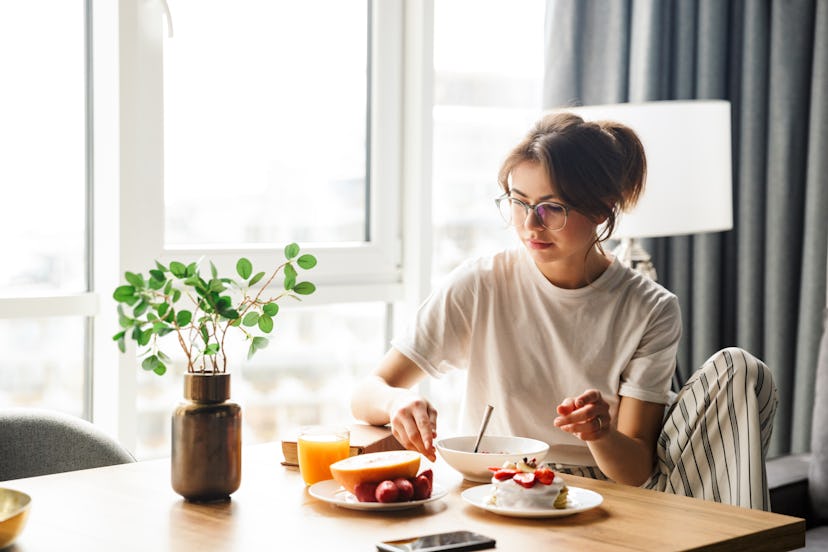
375,466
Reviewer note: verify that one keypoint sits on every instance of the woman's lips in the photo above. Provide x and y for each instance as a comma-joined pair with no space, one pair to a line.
534,244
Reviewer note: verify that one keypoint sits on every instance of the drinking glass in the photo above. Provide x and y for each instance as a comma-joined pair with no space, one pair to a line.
318,448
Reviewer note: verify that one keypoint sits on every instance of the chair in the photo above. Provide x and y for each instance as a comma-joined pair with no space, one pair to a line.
799,482
39,442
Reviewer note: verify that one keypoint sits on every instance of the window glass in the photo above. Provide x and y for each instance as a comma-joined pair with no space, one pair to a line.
42,173
488,63
304,376
265,122
43,363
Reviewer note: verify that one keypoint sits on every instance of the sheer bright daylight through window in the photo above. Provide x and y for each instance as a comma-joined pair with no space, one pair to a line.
488,74
43,174
218,130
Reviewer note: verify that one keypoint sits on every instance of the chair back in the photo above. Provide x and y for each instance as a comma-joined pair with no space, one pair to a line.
38,442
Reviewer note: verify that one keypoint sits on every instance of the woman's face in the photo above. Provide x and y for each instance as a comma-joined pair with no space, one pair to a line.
558,253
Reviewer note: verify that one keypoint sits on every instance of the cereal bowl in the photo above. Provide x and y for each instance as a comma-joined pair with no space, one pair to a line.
14,509
493,451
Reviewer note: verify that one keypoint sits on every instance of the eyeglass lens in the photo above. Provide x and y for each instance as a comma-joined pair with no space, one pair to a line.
550,215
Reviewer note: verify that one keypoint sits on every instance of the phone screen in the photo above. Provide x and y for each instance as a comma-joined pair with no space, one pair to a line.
456,541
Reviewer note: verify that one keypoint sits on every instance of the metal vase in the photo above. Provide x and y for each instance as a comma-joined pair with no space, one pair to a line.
206,440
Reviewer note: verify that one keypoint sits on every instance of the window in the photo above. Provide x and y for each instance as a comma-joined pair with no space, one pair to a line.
272,116
43,284
487,93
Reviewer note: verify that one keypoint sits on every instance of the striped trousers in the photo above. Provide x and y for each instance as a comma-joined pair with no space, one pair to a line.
716,433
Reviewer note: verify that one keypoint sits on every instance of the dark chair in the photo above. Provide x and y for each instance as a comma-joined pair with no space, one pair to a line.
799,482
39,442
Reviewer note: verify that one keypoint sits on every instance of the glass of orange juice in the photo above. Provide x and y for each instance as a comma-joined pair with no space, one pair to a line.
318,448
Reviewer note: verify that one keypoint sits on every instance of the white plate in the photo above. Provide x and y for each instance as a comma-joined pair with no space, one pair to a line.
577,500
331,491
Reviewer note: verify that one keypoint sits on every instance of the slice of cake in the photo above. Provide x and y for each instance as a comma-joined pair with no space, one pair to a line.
525,484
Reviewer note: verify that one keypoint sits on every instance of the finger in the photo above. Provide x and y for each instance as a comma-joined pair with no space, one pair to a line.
590,396
566,407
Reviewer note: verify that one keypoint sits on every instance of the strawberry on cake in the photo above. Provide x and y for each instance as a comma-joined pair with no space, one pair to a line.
525,484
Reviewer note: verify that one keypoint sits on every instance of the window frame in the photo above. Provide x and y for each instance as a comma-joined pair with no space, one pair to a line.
393,266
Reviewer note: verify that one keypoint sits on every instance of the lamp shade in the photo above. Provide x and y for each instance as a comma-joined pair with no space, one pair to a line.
689,179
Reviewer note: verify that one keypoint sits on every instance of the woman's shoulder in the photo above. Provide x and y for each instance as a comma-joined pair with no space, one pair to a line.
636,286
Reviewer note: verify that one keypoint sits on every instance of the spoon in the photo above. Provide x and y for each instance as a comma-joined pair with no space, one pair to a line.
486,416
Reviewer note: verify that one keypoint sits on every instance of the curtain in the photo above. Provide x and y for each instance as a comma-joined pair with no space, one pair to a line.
760,286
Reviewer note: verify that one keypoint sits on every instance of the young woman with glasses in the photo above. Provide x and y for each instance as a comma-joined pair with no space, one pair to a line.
570,346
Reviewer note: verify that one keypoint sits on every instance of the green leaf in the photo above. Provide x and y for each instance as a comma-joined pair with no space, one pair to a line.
145,337
204,335
122,294
163,309
291,250
251,319
168,287
216,285
151,316
211,349
156,284
244,267
176,295
271,309
258,343
164,357
183,317
160,369
157,275
161,267
255,279
150,363
229,314
123,320
265,323
136,280
140,308
191,269
304,288
213,270
161,329
122,344
223,303
178,269
290,276
306,261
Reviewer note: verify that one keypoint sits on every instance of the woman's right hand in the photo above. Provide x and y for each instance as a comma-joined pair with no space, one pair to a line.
414,423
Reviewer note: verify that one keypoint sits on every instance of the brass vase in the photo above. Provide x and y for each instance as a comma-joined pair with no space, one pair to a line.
206,440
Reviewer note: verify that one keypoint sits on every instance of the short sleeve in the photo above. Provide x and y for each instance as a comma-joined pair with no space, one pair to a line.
648,375
438,338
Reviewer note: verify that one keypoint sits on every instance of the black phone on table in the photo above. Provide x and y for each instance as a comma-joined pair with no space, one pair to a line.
455,541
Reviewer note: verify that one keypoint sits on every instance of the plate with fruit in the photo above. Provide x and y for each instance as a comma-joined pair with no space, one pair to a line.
379,481
527,488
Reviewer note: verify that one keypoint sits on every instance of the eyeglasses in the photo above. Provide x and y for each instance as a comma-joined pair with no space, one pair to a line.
551,216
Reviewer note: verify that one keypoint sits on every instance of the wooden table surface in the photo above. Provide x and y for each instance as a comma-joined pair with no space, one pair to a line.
132,507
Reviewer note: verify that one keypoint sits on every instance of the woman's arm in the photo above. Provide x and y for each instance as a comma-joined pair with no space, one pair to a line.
626,452
386,397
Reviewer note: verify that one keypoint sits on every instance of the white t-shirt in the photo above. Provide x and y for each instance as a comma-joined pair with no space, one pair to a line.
528,344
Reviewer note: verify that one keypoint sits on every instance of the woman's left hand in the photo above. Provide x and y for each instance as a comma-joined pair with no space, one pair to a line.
586,416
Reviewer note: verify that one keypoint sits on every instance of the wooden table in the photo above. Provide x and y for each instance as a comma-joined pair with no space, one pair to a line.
132,507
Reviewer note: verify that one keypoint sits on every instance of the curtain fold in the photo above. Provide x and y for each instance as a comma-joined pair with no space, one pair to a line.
762,285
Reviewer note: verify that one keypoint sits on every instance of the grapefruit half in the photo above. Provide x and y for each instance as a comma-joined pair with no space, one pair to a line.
375,467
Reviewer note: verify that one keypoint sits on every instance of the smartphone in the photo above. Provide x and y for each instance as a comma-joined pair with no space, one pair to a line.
455,541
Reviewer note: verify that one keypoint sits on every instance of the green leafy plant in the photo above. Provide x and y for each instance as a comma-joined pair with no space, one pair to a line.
201,310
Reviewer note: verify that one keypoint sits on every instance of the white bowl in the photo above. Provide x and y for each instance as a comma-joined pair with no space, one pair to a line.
493,451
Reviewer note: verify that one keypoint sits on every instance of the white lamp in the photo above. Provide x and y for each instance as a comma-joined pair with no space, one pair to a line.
689,181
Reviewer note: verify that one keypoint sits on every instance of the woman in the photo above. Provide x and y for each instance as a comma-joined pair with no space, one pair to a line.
569,346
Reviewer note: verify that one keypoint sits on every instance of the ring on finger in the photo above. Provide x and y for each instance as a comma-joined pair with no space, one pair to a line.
600,423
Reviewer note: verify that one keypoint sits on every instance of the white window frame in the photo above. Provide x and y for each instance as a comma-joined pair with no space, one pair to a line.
128,181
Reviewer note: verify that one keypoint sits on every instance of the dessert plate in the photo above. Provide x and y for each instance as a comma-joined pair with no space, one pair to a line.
331,491
577,500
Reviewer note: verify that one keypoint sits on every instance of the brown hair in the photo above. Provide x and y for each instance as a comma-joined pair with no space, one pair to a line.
598,167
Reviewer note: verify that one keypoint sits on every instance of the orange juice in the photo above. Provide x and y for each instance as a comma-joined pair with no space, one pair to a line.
318,448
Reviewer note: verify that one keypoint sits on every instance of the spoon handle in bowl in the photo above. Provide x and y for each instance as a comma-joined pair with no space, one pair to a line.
486,416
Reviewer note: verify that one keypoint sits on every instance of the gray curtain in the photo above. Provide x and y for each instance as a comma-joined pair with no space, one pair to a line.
760,286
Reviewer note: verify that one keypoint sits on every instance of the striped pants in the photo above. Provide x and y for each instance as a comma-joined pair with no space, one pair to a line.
716,433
